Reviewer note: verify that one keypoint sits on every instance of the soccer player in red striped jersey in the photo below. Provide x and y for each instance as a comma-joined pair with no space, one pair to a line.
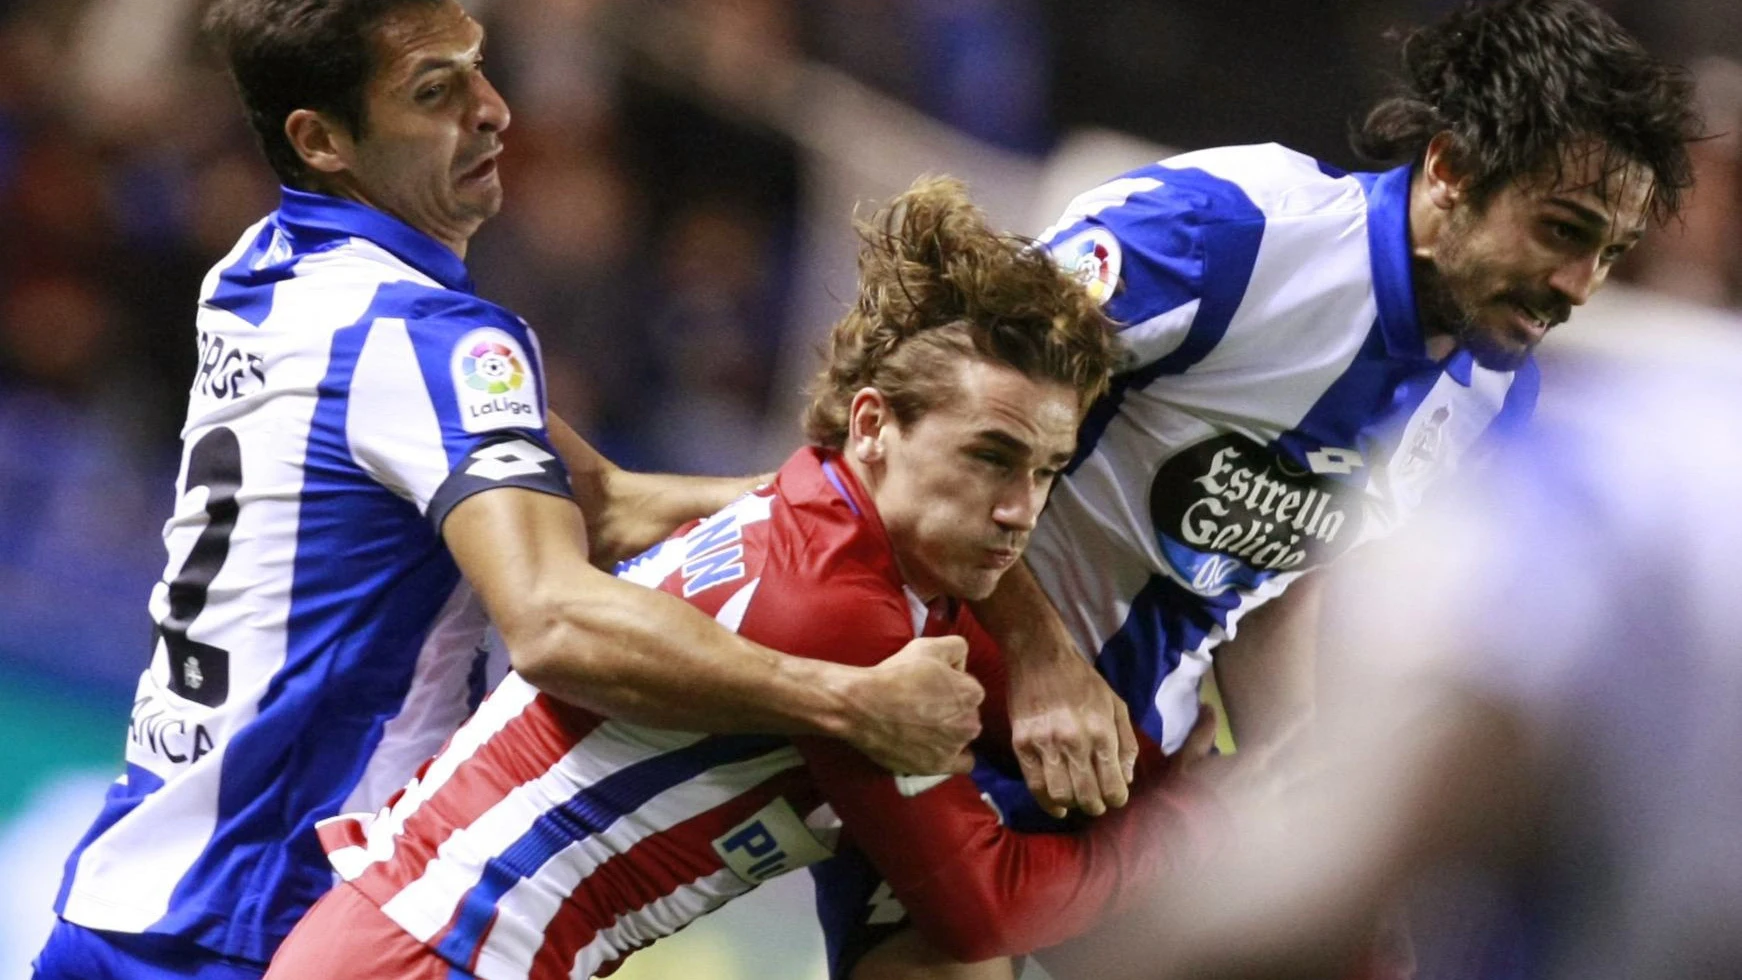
546,841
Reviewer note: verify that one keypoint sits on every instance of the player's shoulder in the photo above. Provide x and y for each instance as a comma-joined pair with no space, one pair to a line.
1265,183
1254,184
826,535
400,289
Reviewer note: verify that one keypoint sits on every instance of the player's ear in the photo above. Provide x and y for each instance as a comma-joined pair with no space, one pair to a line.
868,417
324,145
1443,176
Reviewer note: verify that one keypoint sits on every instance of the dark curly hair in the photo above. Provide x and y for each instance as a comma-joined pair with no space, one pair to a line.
285,55
1519,82
937,285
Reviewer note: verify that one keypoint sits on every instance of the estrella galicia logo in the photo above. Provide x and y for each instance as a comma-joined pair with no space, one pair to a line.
1231,513
493,368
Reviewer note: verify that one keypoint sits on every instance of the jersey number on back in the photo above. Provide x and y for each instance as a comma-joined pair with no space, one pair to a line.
198,671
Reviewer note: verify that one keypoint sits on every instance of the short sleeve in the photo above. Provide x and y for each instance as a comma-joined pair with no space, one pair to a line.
447,400
1168,253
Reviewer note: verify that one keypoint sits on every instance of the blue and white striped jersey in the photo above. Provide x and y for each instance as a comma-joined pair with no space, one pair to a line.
1277,408
315,641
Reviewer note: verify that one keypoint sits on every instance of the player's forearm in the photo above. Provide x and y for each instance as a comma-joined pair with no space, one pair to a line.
975,888
642,509
1009,893
1266,673
645,657
1070,732
626,512
1022,619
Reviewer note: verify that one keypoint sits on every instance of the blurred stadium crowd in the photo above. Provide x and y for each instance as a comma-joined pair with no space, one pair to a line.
649,234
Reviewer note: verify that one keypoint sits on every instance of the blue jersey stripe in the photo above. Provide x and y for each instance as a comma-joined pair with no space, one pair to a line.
591,811
1520,405
246,290
1389,248
1223,253
1230,249
1358,409
321,221
1165,620
126,793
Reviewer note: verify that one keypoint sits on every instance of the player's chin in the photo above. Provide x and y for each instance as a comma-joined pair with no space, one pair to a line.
1499,349
488,202
974,584
480,200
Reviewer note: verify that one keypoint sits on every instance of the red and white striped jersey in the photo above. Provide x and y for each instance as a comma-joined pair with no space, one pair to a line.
545,841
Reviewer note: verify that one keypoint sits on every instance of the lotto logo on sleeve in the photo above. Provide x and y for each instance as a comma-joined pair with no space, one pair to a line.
493,383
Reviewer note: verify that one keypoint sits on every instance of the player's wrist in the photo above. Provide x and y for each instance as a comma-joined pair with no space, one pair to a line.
820,697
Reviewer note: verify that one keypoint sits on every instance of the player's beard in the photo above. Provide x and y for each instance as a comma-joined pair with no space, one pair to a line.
1458,284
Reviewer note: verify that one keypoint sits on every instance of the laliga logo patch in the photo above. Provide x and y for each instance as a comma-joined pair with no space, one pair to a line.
491,382
1092,257
493,368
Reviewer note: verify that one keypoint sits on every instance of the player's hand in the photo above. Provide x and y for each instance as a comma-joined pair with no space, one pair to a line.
1071,734
918,710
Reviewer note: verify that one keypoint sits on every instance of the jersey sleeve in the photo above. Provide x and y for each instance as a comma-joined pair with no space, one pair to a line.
1168,253
447,400
974,887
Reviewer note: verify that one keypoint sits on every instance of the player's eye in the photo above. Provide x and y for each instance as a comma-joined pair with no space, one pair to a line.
1567,233
430,93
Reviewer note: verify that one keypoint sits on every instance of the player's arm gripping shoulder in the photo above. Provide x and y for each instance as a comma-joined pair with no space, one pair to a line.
629,512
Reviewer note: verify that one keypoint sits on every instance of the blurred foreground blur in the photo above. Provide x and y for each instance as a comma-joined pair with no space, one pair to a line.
1531,706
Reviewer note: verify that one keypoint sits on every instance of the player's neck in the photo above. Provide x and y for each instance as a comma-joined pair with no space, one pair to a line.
343,186
1435,310
868,481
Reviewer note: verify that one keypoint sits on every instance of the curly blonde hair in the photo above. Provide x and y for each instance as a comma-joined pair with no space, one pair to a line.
938,285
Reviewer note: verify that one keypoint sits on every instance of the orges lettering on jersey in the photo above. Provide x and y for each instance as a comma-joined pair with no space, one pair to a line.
713,554
226,371
1230,512
160,730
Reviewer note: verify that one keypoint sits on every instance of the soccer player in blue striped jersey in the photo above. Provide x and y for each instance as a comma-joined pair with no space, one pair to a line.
369,475
1310,350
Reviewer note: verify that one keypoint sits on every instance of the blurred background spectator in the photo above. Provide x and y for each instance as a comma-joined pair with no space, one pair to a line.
679,175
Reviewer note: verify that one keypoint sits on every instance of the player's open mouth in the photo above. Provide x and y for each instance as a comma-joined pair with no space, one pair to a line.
481,171
1531,324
